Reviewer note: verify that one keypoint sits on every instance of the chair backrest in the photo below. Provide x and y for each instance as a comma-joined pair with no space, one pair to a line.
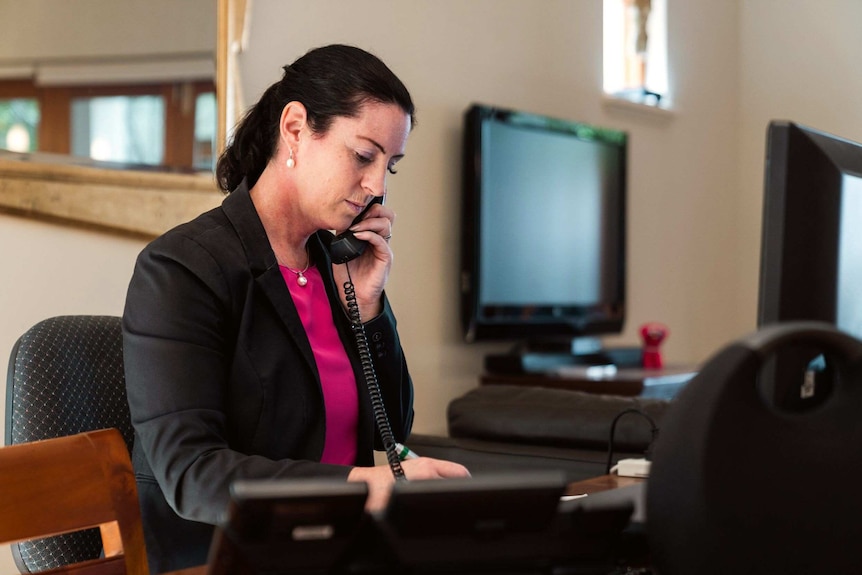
69,483
741,484
65,377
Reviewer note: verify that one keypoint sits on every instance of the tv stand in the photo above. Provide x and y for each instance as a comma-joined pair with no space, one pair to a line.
545,356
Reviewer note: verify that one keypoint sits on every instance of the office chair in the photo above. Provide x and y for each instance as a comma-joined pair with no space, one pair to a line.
65,377
78,481
741,484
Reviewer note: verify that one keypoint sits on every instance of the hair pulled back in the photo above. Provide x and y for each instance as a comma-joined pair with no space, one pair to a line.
330,81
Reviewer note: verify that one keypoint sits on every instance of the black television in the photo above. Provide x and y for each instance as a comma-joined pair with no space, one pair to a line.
811,251
543,252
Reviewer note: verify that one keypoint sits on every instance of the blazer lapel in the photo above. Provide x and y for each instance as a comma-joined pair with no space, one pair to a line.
242,214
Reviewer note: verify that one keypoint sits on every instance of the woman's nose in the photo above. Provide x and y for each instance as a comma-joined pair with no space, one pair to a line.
375,182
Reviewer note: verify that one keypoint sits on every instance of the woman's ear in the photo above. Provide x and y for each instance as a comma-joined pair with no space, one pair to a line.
293,119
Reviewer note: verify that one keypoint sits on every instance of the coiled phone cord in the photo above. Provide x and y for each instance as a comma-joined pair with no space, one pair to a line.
371,383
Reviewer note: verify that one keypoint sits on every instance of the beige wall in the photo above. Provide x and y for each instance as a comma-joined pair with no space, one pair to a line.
47,30
55,270
695,178
800,63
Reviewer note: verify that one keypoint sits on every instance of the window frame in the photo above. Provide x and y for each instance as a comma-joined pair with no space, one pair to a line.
622,64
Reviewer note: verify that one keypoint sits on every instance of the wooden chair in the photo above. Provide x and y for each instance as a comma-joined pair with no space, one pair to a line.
72,483
742,483
65,377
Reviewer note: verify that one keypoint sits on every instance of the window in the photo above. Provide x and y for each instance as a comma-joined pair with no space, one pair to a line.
128,129
635,50
19,122
170,125
203,151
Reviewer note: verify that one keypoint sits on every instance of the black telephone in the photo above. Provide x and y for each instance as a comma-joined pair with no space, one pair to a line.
345,246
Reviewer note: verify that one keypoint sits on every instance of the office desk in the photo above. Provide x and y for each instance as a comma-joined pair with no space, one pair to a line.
587,486
601,483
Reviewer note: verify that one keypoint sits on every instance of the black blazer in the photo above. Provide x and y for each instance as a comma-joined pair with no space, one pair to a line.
221,379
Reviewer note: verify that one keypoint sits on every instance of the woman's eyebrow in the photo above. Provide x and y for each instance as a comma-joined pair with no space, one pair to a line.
376,145
380,147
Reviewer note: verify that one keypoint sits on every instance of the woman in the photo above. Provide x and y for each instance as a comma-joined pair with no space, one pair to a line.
239,355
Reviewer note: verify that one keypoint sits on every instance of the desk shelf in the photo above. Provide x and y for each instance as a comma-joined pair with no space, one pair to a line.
658,383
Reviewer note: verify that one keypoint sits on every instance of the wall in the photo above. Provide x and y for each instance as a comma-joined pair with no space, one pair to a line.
801,63
56,270
104,29
547,60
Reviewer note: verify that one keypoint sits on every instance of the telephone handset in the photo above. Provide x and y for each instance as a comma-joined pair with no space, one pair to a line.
345,246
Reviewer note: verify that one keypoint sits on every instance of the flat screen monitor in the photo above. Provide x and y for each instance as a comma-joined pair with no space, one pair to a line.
811,251
543,253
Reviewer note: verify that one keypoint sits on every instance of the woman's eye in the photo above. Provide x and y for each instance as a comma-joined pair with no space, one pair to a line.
366,160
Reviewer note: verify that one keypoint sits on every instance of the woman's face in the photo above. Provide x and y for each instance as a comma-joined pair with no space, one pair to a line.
338,173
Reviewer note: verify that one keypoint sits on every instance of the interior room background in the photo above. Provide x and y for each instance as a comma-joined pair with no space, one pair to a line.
695,174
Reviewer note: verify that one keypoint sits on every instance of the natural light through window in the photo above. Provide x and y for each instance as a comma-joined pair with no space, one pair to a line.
635,50
119,128
19,120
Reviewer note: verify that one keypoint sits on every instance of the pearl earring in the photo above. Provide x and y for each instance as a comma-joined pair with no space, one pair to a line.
290,161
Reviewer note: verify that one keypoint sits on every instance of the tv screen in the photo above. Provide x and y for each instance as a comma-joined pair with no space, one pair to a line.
811,253
543,216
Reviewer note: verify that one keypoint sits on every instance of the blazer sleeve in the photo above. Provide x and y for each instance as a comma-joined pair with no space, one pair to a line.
182,376
391,369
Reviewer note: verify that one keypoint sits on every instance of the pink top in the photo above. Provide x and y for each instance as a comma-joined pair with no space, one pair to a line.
336,374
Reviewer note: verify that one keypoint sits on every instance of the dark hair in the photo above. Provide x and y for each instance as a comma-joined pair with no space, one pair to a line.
330,81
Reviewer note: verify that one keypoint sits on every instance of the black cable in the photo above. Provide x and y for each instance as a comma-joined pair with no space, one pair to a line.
371,383
653,431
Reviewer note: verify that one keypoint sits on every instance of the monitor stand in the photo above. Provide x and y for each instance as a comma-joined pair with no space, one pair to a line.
541,356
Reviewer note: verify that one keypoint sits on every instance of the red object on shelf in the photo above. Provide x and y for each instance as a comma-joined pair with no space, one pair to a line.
653,334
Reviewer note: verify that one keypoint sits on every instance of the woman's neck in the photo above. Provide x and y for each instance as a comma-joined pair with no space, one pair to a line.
275,208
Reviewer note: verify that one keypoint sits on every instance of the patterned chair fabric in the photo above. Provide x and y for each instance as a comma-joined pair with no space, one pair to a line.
65,377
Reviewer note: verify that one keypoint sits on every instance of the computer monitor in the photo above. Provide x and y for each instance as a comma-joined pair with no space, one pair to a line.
811,258
543,252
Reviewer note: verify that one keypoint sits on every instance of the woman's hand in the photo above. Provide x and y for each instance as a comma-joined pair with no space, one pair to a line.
370,271
380,479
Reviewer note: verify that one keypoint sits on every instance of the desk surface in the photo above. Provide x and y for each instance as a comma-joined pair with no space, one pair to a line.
601,483
200,570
